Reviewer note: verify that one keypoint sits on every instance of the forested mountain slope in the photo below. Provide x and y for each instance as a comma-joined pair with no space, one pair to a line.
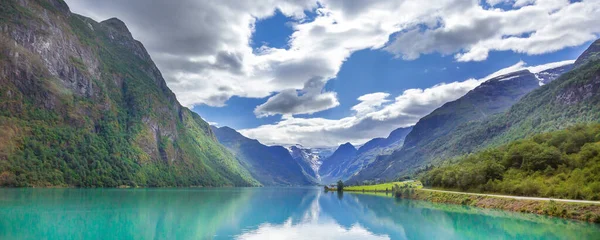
558,164
270,165
82,104
445,132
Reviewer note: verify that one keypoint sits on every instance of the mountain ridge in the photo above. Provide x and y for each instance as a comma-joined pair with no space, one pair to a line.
270,165
342,168
84,105
492,97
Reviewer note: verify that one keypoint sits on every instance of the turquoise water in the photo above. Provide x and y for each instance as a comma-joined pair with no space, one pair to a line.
259,213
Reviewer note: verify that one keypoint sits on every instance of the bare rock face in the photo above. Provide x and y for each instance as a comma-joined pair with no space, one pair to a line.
62,54
576,94
75,84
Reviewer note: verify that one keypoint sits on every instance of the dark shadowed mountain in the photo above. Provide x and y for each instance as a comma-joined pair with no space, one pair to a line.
270,165
328,169
342,169
429,139
82,104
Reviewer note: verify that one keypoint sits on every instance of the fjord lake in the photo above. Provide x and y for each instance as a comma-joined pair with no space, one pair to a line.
260,213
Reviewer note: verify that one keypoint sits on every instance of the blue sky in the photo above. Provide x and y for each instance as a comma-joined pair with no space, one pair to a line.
321,73
368,71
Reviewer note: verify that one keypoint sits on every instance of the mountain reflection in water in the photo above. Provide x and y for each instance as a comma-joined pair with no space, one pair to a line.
259,213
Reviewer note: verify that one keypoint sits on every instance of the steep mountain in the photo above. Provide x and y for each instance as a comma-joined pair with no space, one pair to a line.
394,140
492,96
572,98
342,155
82,104
310,160
423,143
269,165
365,155
592,53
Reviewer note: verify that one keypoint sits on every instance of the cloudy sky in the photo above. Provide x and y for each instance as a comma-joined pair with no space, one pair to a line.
321,73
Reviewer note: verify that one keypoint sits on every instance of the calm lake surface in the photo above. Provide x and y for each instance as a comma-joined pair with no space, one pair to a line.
259,213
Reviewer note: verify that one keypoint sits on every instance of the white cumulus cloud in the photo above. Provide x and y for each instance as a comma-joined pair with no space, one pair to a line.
376,115
203,48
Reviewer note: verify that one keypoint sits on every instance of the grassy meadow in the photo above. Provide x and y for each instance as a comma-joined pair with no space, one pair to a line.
384,186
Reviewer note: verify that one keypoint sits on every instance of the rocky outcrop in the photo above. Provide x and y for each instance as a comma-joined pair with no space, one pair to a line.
579,93
92,93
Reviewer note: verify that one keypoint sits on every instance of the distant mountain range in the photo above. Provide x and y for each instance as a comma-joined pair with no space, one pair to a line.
502,109
270,165
299,165
347,160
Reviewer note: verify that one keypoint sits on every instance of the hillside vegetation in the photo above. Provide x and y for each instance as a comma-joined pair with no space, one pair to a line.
559,164
270,165
383,187
573,98
491,97
83,105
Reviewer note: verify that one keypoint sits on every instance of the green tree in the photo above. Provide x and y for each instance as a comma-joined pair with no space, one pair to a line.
560,164
340,186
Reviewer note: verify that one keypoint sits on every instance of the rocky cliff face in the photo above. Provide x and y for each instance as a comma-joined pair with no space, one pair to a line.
86,106
309,160
580,93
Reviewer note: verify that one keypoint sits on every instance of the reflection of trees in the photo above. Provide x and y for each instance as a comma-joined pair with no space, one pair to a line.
427,220
155,213
340,195
205,213
126,214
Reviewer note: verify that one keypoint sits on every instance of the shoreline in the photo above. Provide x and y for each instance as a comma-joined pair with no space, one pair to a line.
513,196
589,212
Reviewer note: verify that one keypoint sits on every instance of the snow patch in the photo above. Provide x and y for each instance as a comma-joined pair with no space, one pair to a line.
547,66
509,78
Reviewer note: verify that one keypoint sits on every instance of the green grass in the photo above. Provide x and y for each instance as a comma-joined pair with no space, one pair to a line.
384,186
559,164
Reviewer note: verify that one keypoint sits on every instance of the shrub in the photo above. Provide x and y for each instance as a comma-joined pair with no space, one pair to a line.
560,164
